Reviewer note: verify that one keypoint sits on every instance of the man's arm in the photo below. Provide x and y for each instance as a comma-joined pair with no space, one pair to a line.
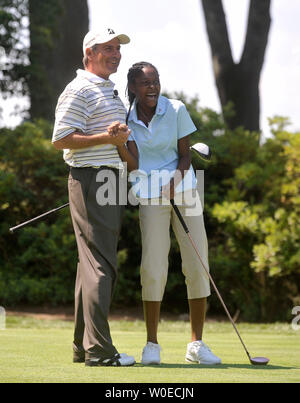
77,140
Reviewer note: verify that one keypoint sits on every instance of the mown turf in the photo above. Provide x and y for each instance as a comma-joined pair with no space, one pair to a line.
34,350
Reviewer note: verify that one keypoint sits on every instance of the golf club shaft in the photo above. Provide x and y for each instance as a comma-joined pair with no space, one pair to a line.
37,218
207,272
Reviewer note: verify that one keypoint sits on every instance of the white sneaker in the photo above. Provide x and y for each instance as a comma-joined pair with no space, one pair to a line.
119,360
151,354
199,352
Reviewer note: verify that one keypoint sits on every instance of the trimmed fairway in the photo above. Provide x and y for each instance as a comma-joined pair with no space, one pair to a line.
33,350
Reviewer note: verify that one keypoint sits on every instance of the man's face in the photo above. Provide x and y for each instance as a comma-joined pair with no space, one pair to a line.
106,59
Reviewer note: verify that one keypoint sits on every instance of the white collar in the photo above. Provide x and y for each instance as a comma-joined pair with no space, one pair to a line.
160,108
94,78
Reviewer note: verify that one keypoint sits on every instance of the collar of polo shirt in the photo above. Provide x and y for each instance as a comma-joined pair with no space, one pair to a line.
94,78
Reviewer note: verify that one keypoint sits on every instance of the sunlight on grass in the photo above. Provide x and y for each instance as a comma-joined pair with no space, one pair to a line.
35,350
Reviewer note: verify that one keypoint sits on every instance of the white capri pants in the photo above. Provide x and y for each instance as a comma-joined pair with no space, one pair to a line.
155,232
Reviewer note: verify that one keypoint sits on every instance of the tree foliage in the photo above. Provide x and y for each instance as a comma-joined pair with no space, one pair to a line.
37,264
13,47
261,224
57,29
40,49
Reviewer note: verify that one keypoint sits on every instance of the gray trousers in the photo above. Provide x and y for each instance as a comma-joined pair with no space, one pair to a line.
97,228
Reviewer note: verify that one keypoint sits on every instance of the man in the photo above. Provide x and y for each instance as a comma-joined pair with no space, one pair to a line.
84,129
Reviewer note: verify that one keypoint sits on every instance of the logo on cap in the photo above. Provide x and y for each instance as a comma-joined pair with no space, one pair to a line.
111,31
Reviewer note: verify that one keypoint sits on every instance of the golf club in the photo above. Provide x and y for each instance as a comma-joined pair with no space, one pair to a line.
12,229
203,149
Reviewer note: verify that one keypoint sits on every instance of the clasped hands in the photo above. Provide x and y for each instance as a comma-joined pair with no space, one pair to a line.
119,133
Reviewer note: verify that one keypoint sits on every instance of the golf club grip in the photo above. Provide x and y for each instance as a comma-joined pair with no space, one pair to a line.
179,216
12,229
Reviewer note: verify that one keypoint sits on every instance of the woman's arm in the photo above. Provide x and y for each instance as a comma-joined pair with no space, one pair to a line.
76,141
183,166
130,155
128,152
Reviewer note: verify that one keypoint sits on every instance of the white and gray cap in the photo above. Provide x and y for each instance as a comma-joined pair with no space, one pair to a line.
96,37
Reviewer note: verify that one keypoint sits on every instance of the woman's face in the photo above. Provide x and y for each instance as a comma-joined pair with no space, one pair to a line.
147,87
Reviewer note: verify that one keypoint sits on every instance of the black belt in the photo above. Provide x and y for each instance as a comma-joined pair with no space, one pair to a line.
116,170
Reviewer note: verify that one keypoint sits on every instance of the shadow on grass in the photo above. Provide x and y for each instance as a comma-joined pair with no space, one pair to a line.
220,366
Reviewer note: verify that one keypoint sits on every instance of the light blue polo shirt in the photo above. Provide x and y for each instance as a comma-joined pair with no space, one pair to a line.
158,147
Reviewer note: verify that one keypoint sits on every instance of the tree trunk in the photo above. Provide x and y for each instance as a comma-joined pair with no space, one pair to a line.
239,82
57,29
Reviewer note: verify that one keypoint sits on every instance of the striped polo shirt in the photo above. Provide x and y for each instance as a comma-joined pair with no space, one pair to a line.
88,105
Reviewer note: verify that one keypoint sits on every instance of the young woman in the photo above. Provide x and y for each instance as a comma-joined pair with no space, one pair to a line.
159,141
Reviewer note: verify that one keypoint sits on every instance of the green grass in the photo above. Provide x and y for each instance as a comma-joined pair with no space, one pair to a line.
33,350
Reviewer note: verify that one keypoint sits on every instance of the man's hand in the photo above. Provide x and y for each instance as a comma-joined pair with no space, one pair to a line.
113,129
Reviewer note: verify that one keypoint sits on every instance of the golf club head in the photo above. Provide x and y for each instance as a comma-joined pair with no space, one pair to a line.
259,360
202,150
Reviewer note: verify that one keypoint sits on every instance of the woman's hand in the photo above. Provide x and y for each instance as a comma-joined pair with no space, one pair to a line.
119,133
168,190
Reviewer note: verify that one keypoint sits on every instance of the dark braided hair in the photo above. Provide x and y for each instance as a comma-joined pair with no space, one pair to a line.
133,73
